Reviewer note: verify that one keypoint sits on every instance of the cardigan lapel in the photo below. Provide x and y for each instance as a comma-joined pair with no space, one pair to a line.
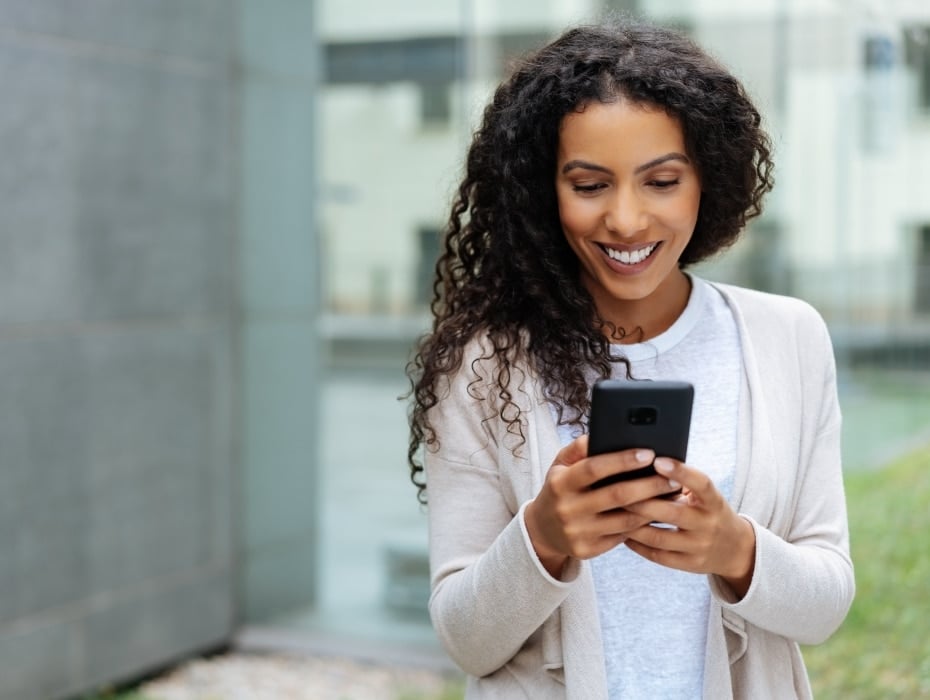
756,464
756,454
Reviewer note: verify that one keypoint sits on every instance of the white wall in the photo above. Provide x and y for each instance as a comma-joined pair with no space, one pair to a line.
385,175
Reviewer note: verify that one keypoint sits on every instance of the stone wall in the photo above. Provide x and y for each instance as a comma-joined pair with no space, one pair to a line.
157,309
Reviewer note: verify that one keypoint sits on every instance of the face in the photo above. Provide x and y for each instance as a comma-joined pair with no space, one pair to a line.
628,197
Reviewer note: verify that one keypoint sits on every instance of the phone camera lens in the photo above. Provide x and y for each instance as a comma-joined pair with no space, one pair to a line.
643,415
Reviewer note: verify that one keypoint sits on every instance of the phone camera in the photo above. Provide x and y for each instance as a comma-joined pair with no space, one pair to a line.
643,415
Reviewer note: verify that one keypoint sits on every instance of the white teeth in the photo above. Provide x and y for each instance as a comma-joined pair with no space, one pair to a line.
631,257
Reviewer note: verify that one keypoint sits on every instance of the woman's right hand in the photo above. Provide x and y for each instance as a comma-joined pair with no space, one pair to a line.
570,519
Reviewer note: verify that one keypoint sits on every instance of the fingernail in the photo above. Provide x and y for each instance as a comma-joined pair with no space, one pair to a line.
664,465
644,456
672,484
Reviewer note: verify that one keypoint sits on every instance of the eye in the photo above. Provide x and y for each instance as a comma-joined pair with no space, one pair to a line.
588,189
663,184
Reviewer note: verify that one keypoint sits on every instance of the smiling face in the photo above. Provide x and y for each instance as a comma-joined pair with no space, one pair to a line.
628,197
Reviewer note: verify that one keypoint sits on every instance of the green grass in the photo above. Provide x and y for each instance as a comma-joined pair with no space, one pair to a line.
454,690
883,648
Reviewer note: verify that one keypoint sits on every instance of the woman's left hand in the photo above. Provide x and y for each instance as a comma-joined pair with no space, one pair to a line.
709,537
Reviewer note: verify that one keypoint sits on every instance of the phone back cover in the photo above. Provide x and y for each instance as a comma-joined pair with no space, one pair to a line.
612,402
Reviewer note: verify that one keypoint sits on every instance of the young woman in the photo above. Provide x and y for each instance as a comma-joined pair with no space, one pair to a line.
607,163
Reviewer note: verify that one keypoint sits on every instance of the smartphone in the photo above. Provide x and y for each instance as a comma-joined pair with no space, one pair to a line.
640,413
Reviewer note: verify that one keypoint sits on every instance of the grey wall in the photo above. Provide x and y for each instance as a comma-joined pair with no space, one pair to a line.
144,344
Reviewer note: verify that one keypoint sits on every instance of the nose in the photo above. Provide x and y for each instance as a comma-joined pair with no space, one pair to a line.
626,214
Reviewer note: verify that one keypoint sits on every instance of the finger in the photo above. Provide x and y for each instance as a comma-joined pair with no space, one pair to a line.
667,539
602,466
701,487
663,510
670,559
620,522
624,494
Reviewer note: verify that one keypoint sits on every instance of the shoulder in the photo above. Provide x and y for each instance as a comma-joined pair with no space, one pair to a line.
785,335
764,311
490,366
484,355
485,400
754,301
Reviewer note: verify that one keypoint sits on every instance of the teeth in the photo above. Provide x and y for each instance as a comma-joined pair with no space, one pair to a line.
631,258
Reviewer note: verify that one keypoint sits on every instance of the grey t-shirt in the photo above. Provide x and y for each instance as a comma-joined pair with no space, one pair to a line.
654,619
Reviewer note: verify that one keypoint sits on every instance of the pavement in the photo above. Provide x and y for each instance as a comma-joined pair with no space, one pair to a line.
242,676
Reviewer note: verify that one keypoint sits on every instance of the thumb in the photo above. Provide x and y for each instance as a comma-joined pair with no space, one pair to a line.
574,451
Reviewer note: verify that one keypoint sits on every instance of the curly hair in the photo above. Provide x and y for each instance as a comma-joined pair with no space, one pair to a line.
506,271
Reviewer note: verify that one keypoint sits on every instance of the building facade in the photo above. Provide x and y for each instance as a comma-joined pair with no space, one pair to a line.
220,224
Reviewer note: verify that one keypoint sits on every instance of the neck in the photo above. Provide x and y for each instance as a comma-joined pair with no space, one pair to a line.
637,320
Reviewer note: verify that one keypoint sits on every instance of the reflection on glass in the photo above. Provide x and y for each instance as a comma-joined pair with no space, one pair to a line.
846,91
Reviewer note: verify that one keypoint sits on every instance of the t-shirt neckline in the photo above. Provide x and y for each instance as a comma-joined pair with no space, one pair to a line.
674,334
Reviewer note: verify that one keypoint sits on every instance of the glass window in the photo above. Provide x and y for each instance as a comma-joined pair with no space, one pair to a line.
917,59
405,84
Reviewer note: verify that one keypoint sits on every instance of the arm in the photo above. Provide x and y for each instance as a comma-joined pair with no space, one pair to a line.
803,581
794,577
799,586
489,591
493,561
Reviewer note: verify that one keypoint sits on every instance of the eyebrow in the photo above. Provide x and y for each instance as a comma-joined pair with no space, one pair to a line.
586,165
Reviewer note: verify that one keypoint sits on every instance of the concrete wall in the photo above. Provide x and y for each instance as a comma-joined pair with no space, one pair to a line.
151,343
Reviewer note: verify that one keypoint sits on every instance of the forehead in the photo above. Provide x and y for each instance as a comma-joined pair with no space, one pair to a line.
619,130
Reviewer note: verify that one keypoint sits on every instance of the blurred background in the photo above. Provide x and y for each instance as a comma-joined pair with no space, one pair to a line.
218,223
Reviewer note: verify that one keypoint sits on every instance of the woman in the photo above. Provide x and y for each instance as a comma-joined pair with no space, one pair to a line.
607,163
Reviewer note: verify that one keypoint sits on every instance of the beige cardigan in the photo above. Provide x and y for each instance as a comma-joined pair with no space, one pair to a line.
519,633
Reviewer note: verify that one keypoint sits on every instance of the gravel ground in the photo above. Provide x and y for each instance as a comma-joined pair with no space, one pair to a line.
285,677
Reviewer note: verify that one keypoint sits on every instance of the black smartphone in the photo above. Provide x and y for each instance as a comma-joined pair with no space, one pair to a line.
640,413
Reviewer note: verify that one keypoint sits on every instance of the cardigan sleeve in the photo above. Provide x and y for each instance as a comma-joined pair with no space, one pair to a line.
490,593
803,582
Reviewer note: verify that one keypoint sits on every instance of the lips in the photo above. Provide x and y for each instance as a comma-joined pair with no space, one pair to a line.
630,256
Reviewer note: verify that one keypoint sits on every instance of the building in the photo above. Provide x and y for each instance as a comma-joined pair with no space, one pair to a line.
844,88
218,235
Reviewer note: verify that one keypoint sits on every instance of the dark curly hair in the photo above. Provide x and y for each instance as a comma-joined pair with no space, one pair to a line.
506,271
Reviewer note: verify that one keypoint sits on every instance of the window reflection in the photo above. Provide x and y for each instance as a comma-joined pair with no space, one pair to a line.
846,94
